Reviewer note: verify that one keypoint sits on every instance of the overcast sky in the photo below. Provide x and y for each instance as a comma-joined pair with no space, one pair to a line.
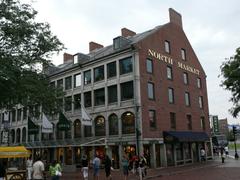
212,28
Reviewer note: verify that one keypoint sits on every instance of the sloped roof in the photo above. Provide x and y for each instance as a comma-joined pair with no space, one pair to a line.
102,52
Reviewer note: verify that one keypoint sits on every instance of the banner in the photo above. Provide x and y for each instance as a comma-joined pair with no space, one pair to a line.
86,120
47,126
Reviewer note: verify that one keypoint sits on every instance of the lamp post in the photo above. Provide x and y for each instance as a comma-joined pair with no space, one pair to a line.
234,135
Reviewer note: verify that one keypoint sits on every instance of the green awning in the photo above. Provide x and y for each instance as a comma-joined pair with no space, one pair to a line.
32,127
64,124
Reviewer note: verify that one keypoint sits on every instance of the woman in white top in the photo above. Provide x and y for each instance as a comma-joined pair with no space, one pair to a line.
29,165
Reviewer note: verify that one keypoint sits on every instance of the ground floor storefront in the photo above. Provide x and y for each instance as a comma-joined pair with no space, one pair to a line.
170,150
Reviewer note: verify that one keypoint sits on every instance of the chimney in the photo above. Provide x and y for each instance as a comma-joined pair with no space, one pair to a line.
93,46
126,32
67,57
175,17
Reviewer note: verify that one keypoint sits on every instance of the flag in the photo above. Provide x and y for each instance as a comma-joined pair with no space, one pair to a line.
47,126
86,120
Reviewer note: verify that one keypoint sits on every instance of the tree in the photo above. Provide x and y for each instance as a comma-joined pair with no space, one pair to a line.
25,49
230,70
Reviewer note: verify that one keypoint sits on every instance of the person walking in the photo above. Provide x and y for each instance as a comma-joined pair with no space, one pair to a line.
202,154
96,167
38,169
29,165
2,170
108,166
85,167
125,164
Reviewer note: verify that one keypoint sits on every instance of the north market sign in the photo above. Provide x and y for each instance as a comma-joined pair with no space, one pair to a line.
169,60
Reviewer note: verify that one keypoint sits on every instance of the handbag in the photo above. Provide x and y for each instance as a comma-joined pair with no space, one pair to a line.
58,173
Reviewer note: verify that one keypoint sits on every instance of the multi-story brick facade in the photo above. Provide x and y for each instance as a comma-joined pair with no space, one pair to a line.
146,94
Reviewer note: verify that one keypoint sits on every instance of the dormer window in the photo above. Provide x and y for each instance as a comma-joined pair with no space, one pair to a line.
75,59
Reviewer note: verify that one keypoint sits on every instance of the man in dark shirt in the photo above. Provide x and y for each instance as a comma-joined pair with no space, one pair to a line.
2,170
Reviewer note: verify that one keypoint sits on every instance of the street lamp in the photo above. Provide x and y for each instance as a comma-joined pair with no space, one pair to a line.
234,135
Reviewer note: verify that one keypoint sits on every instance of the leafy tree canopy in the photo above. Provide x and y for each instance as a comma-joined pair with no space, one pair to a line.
230,70
25,49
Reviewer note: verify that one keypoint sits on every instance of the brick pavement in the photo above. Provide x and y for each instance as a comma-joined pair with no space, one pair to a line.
152,173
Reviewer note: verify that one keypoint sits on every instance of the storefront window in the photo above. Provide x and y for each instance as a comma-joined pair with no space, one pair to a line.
128,123
187,151
179,151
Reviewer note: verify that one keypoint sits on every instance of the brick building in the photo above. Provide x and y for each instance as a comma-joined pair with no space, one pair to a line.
146,93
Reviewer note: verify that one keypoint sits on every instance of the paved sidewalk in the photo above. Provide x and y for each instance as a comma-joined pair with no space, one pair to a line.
151,173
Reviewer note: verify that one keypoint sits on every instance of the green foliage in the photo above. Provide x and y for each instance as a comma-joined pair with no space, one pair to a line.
230,70
25,49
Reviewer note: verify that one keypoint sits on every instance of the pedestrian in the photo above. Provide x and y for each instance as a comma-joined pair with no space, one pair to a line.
222,154
29,165
142,164
226,150
38,169
96,167
85,167
108,166
52,170
202,154
125,164
2,169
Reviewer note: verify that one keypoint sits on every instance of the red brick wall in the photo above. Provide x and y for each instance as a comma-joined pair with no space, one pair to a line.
175,35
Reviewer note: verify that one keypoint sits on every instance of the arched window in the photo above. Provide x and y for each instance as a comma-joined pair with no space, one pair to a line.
18,135
100,126
113,124
128,123
24,134
77,128
51,135
13,136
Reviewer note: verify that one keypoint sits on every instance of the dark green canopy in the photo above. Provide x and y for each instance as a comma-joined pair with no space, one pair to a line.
64,124
32,127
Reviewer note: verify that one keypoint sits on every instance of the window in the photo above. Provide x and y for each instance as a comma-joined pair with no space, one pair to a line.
87,77
149,66
128,123
75,59
68,103
185,78
13,115
173,120
111,69
203,123
99,97
189,122
113,124
112,94
187,99
169,73
150,91
88,99
126,90
200,101
24,113
60,83
152,118
77,128
183,54
167,47
19,114
100,126
87,131
98,73
125,65
77,80
199,83
77,101
68,82
170,95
